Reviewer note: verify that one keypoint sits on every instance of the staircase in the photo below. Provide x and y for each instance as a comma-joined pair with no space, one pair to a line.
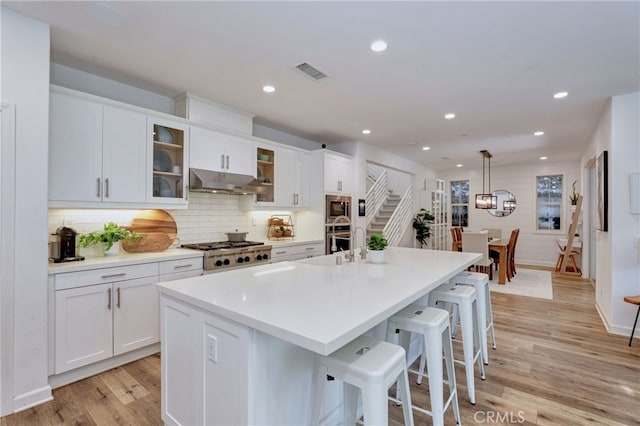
384,214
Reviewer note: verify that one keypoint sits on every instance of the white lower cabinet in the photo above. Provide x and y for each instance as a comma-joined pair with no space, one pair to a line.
296,251
102,313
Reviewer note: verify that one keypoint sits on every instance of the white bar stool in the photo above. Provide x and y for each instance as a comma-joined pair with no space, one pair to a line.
433,324
465,298
481,283
372,366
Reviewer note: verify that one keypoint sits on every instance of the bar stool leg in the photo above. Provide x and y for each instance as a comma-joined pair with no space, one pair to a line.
403,385
434,361
482,320
451,375
633,330
375,406
477,338
490,317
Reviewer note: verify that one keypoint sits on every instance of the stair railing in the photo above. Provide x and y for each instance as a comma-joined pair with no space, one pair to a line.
400,219
376,196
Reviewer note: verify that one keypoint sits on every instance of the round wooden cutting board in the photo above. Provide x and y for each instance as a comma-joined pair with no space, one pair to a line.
152,221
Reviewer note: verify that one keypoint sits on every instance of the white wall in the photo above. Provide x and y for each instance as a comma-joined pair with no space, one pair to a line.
90,83
617,268
25,84
288,139
363,154
534,247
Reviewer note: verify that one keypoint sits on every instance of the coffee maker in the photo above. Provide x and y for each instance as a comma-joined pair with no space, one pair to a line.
62,246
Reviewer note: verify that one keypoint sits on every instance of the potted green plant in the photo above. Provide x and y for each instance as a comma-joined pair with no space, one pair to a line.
573,198
108,237
376,244
421,225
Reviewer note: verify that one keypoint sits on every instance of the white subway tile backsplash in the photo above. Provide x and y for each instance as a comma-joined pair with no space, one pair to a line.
208,217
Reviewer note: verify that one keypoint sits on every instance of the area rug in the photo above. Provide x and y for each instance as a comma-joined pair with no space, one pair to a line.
527,282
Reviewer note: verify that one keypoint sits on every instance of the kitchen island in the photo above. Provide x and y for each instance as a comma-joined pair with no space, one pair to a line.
238,347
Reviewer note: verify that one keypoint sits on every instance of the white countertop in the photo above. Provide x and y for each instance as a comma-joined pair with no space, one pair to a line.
122,259
315,303
290,242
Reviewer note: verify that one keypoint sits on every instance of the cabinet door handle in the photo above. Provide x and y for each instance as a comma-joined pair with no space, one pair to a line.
227,162
98,187
281,252
109,299
106,184
183,266
118,297
310,248
222,161
121,274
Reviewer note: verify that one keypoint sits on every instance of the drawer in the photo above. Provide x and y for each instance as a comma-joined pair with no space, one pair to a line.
180,275
182,265
104,275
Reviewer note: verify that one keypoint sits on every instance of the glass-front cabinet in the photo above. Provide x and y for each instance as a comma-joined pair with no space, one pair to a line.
266,174
168,160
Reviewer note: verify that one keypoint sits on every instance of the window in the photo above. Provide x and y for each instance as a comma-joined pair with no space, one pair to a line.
549,201
460,203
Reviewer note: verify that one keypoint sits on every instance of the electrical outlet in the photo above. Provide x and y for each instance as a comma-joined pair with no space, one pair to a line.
212,348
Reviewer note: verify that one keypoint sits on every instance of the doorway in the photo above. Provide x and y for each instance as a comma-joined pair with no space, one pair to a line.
593,197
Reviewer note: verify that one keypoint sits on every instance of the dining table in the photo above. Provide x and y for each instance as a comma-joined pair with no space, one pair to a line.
500,246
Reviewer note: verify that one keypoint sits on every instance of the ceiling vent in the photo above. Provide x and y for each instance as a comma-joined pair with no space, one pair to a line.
311,71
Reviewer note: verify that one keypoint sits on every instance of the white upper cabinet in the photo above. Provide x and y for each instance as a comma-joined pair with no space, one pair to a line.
219,152
75,149
292,178
97,153
338,174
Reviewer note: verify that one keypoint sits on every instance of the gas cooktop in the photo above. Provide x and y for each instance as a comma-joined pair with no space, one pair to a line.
218,245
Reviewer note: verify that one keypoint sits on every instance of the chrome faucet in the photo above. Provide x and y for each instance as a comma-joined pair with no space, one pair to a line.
350,256
363,249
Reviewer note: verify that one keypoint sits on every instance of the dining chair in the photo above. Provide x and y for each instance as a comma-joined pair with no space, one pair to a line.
493,232
456,238
478,242
511,251
511,254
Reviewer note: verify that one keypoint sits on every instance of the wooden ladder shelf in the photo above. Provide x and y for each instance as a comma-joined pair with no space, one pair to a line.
575,218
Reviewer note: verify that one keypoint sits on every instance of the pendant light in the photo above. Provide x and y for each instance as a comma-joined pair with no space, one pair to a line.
486,200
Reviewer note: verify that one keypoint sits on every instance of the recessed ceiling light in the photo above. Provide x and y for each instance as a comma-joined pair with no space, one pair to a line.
458,165
268,88
560,95
366,132
450,116
426,148
543,158
379,45
539,133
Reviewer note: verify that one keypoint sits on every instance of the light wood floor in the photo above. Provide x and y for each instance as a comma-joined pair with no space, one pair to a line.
555,365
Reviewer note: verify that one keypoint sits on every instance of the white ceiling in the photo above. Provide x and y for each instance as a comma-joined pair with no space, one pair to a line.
495,65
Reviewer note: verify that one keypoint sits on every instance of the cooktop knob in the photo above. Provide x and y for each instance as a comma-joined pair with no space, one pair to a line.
240,259
259,257
218,262
226,261
265,256
247,259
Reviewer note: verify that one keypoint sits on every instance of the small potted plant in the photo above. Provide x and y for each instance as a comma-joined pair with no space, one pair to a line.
108,237
421,225
376,244
573,198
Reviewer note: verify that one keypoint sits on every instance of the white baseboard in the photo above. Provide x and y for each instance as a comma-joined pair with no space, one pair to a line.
31,399
619,330
65,378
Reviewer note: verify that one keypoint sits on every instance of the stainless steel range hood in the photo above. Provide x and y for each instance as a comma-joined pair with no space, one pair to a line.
218,182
